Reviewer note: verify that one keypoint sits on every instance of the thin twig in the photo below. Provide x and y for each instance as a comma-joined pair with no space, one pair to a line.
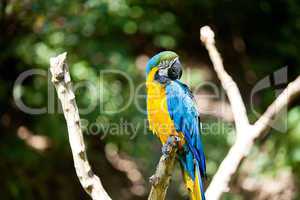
62,82
246,133
288,95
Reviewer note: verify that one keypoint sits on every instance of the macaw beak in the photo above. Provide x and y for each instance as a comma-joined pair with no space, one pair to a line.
175,71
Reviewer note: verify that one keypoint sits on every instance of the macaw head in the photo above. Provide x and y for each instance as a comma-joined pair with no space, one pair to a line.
166,66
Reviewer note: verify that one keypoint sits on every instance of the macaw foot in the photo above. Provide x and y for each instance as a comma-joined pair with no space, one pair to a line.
171,142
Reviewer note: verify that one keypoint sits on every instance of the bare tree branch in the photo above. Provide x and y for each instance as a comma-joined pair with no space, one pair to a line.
246,133
288,95
233,93
161,179
62,82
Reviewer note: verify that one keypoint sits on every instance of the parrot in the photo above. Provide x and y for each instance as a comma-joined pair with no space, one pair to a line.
172,111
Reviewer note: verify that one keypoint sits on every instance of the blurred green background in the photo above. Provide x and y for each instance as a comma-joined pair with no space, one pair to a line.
255,39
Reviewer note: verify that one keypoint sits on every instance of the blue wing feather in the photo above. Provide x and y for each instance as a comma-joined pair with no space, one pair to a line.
184,113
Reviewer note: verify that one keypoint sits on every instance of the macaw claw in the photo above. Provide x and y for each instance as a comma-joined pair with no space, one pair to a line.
166,149
171,142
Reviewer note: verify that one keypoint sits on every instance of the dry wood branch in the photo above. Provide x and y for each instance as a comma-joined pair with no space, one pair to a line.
232,91
161,179
62,82
246,133
288,95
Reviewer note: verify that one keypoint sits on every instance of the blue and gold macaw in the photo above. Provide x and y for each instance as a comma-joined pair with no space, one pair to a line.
172,111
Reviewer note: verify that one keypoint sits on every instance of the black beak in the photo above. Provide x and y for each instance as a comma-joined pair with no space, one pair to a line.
175,71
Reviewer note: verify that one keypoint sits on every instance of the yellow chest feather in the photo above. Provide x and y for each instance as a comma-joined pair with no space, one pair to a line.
158,116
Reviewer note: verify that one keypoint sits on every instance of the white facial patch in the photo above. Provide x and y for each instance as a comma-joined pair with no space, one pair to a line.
164,66
163,72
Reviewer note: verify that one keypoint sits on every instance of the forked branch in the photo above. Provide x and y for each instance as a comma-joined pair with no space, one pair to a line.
246,133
